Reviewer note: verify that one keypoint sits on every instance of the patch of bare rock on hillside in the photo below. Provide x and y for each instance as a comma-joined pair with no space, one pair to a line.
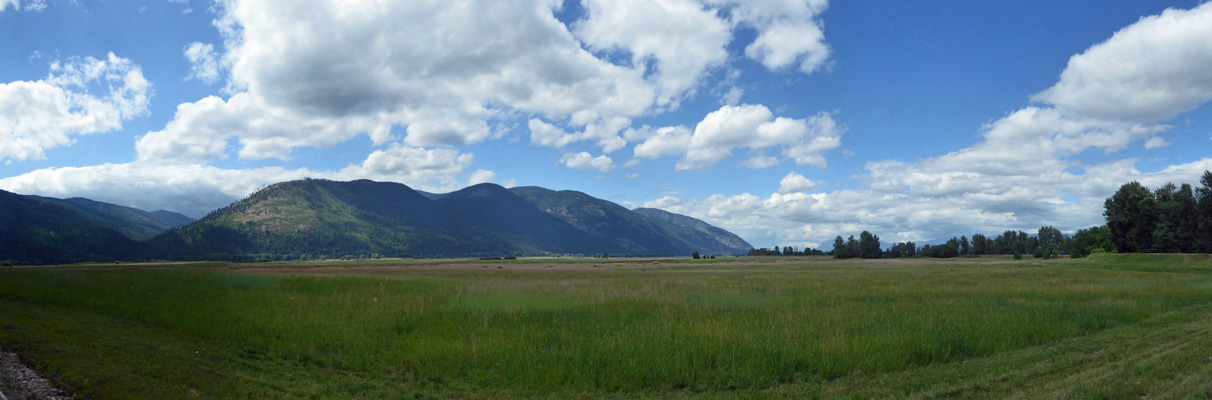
19,382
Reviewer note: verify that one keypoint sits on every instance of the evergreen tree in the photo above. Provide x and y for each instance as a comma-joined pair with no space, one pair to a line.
1131,217
1185,216
980,244
869,245
839,247
1203,214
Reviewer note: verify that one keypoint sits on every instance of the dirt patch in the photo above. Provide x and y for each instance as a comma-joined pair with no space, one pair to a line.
19,382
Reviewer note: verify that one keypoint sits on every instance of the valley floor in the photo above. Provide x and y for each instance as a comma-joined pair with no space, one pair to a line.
1110,326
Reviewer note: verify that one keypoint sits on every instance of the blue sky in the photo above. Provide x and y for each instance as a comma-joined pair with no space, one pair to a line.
787,122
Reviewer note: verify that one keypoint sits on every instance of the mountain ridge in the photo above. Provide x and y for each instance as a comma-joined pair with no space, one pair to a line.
42,232
131,222
391,219
317,219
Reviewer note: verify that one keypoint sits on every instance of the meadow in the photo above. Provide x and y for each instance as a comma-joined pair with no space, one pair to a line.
1109,326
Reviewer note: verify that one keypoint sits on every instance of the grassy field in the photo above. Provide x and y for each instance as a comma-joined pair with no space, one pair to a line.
1105,327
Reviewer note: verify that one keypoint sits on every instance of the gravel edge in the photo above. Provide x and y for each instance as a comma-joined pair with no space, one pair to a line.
19,382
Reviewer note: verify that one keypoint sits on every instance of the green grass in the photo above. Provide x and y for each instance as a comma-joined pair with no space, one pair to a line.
956,328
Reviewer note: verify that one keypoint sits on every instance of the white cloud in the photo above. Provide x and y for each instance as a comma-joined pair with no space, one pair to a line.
204,64
744,126
759,161
430,168
682,37
584,160
481,176
320,72
660,142
783,44
546,134
733,96
5,3
44,114
35,5
794,183
1150,71
1156,142
605,132
789,32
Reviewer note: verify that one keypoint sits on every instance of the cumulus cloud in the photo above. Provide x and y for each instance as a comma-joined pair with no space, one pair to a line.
204,64
584,160
660,142
681,37
1023,172
605,132
1156,142
481,176
324,71
44,114
745,126
794,183
195,189
546,134
199,131
1150,71
733,96
413,166
789,32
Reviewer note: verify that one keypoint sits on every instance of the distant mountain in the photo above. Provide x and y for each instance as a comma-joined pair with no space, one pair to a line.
431,196
170,219
635,232
698,233
42,232
131,222
321,218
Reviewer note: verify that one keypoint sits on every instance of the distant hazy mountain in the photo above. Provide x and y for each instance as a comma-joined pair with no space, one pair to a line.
698,233
132,222
635,231
321,218
43,232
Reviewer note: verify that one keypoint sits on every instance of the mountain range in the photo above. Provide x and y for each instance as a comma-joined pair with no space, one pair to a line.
316,218
130,222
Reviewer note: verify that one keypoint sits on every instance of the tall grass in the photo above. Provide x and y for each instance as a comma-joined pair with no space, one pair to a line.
602,330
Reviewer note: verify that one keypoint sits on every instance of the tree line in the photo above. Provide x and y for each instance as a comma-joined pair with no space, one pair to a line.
1169,219
1048,242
